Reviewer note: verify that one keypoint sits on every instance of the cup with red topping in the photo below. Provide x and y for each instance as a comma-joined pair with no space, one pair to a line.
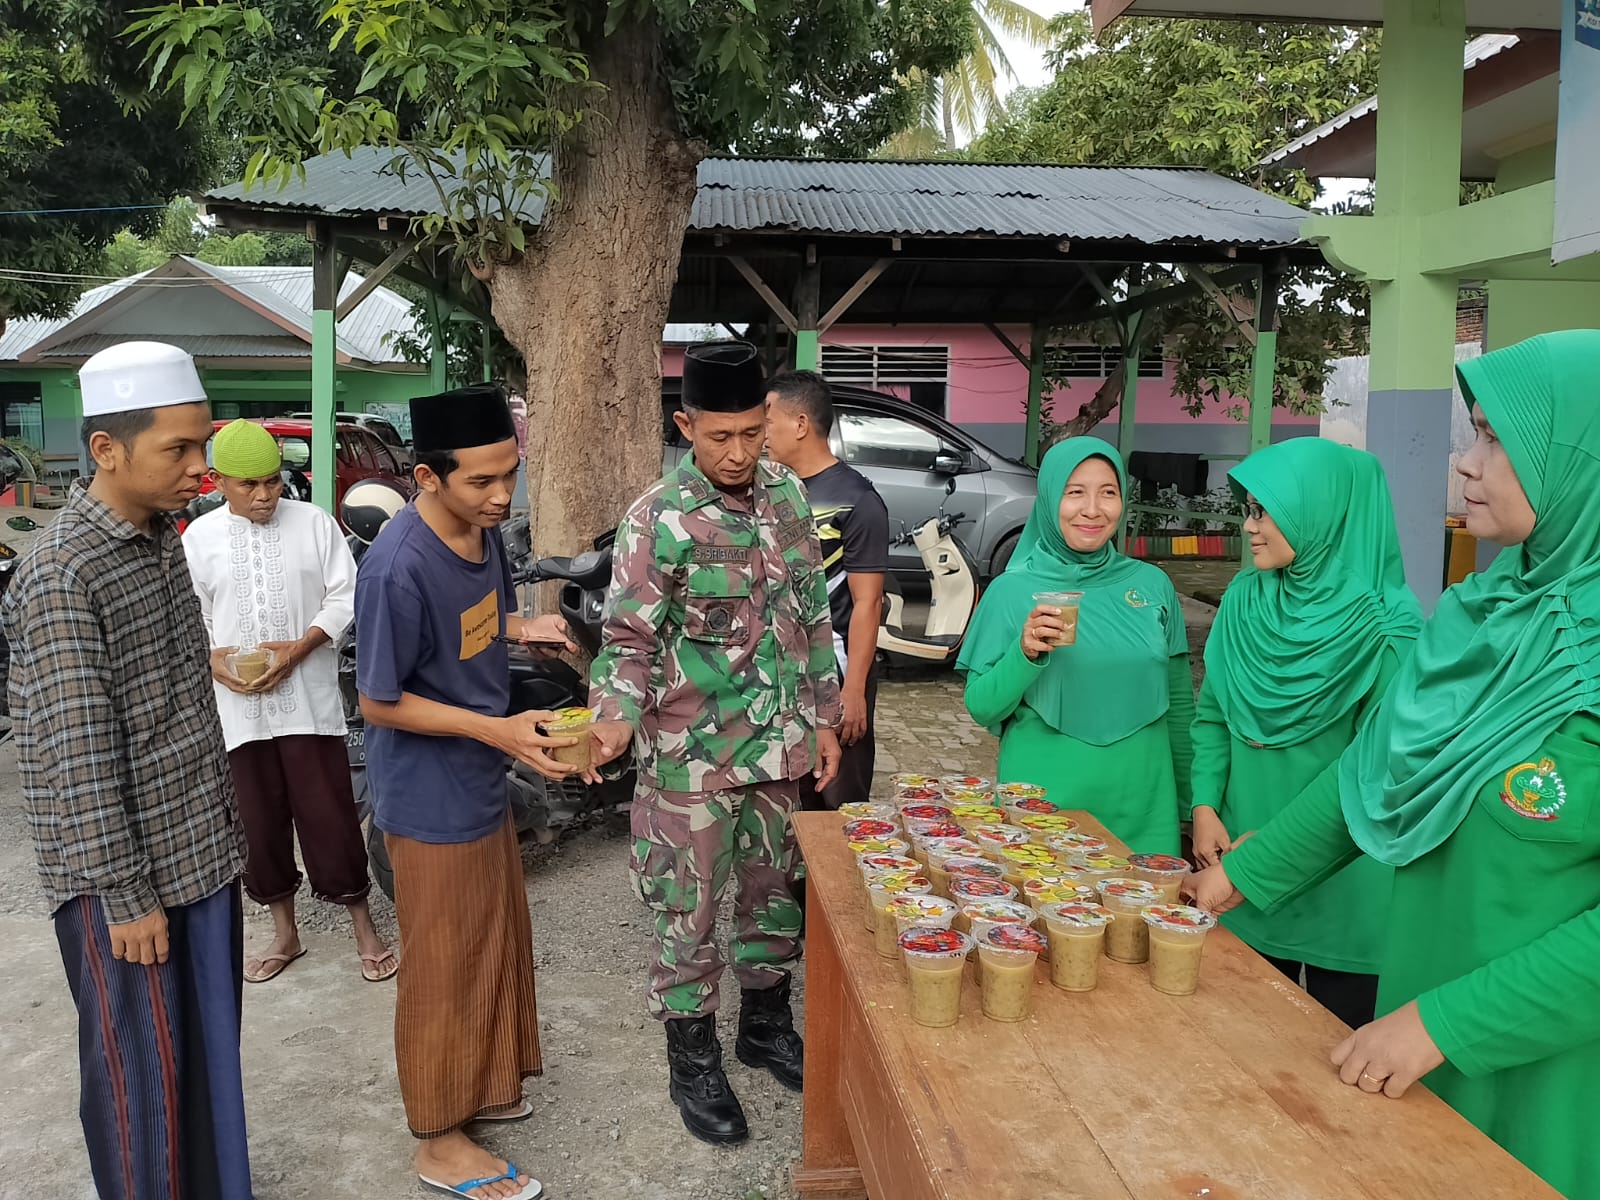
936,850
881,890
1076,930
926,811
1073,847
1007,954
1020,807
933,959
966,781
861,828
1166,871
926,912
1177,940
1010,793
1128,939
980,916
965,890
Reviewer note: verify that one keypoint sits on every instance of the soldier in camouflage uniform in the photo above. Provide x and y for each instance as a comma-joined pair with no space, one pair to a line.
718,666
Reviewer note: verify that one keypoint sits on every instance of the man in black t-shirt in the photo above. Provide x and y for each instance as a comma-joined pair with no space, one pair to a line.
853,527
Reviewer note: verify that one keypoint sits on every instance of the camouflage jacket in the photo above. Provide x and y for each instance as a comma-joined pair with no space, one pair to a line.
718,647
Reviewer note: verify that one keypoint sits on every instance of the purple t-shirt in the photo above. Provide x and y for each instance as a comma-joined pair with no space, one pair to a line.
426,620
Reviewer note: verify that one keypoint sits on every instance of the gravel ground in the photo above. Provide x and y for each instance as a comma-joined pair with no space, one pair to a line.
324,1110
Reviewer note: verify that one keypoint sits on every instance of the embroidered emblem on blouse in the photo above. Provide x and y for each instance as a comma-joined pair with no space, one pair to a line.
255,561
1136,598
1535,790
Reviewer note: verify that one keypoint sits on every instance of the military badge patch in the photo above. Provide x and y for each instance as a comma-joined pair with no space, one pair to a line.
1535,790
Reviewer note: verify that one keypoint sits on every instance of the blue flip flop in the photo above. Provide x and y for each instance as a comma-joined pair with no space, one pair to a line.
532,1191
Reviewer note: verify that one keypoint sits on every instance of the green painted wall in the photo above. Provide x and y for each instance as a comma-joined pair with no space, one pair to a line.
1521,308
255,392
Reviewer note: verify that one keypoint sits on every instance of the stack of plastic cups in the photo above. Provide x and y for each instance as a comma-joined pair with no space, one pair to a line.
933,961
1128,939
1177,939
1007,954
884,889
1077,931
1166,871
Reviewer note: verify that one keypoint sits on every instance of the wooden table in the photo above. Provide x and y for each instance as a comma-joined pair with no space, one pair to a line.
1117,1093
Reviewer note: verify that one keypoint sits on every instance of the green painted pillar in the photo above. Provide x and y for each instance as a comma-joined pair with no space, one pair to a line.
324,368
807,350
1264,363
1414,315
1128,409
438,347
808,314
1033,435
486,346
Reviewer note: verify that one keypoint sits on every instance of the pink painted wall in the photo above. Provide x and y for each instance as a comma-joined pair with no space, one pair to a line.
988,386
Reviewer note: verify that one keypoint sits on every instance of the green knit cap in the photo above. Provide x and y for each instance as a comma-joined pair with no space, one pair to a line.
244,450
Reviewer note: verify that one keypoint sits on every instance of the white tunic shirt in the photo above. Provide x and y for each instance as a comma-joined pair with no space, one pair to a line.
272,583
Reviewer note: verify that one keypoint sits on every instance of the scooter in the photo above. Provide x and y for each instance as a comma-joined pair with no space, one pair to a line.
541,808
953,576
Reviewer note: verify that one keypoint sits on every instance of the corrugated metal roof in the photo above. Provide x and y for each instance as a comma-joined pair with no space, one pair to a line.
1149,205
284,292
1479,49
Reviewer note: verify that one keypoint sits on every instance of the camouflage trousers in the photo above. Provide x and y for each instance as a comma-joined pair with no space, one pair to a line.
685,847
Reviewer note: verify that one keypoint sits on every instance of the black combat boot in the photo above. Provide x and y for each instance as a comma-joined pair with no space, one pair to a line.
704,1097
767,1037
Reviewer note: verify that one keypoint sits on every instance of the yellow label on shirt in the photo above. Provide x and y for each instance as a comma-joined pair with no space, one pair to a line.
479,625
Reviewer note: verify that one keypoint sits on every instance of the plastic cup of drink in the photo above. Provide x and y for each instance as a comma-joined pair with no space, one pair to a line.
1128,939
970,816
1177,939
967,781
1043,825
1166,871
1099,867
1044,890
910,779
1076,930
862,828
872,866
250,665
995,838
1017,859
1008,793
1007,954
1066,604
984,915
1030,806
969,795
884,889
868,810
919,912
933,959
937,850
1072,848
925,833
969,892
572,723
924,794
967,866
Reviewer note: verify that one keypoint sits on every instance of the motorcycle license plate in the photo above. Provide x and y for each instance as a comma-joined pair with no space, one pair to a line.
355,744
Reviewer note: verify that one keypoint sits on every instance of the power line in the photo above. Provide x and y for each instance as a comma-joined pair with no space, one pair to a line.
53,212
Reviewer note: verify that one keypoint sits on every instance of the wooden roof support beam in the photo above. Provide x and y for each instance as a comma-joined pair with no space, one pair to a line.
1244,324
854,293
759,286
1000,336
374,279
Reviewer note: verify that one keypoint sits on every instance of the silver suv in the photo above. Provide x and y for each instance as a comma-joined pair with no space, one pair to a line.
910,455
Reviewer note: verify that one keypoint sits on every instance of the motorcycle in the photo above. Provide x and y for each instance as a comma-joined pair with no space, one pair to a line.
541,808
953,578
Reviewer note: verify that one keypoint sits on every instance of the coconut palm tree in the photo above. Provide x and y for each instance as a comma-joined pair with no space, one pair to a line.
962,101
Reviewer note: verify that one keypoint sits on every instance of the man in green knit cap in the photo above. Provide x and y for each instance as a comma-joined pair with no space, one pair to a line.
276,583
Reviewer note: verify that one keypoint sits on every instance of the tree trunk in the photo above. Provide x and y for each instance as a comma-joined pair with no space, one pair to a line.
587,303
1095,409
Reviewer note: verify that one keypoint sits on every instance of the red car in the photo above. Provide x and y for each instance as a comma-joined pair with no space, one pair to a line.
359,456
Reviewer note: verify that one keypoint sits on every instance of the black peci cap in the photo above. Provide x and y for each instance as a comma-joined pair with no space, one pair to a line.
723,377
479,415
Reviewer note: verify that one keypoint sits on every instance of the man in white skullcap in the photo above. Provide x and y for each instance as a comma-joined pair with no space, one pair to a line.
275,577
125,780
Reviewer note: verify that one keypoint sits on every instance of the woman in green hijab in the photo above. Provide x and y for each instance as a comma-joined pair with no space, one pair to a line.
1478,780
1102,723
1306,640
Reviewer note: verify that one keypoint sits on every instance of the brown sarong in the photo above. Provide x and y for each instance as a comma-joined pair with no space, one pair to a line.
466,1027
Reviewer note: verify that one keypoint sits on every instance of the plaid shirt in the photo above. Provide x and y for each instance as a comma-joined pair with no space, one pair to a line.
124,775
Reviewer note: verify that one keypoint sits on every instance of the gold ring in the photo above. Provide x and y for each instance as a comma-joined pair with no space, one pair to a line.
1374,1078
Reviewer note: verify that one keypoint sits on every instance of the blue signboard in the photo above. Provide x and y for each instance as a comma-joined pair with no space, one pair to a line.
1577,216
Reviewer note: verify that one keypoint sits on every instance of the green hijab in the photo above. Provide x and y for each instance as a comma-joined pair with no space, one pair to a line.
1113,681
1294,650
1512,652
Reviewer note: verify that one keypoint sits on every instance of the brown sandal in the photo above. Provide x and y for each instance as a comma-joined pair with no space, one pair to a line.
372,972
267,960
